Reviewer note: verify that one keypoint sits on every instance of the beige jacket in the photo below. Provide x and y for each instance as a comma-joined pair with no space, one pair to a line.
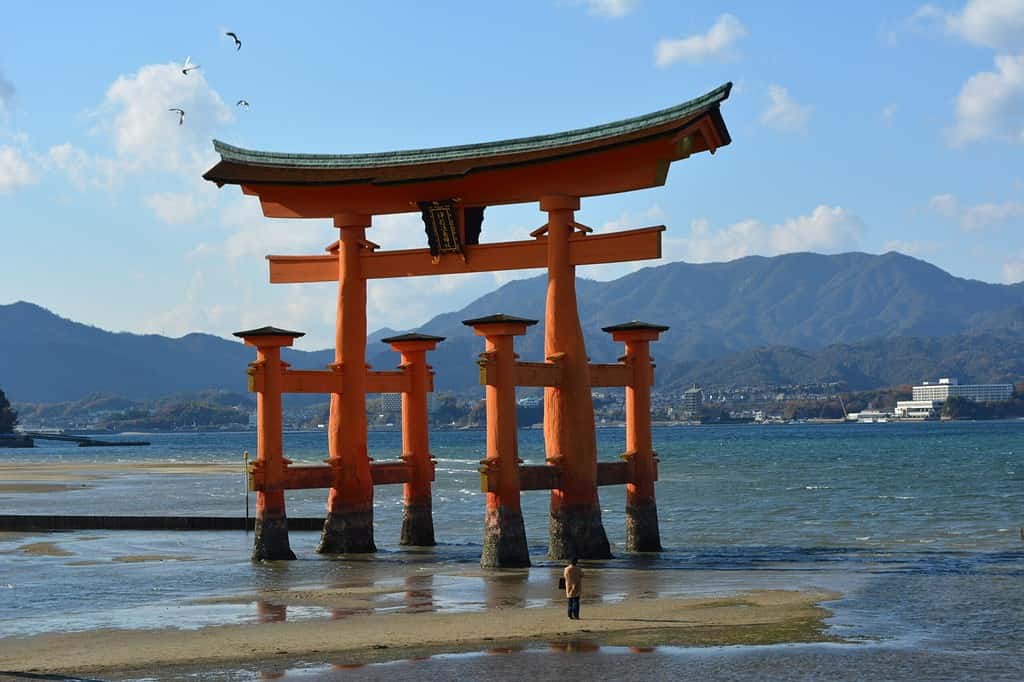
573,580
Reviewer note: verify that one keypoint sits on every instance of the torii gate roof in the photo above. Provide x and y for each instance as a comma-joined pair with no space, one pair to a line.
625,155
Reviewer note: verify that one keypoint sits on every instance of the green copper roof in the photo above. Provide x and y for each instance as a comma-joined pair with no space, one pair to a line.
635,325
499,318
268,331
520,145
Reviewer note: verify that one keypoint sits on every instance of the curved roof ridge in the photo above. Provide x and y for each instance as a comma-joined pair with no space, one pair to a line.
497,148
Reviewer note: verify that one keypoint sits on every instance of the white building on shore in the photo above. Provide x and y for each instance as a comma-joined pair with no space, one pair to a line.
917,409
949,387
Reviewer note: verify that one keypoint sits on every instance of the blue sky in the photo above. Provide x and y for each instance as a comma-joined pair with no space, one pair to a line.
856,126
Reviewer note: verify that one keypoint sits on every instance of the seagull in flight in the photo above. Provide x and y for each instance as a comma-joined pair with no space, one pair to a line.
238,43
242,103
181,115
188,66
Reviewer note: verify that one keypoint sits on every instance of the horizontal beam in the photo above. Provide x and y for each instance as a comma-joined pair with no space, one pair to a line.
547,477
526,373
538,374
611,375
330,381
321,476
311,381
393,381
584,249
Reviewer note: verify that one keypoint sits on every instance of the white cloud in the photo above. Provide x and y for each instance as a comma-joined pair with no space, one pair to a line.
1013,271
611,9
193,314
279,237
783,112
946,205
143,134
997,24
889,114
176,208
6,95
919,249
717,43
15,170
991,104
828,229
135,113
83,169
401,303
398,231
976,217
981,216
888,34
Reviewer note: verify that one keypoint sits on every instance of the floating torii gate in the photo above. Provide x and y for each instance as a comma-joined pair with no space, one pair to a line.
451,186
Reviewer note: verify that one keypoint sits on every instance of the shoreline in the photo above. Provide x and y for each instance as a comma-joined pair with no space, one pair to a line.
759,617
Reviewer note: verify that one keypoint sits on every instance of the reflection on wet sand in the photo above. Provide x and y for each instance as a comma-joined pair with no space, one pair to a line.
575,646
514,649
419,593
507,590
267,612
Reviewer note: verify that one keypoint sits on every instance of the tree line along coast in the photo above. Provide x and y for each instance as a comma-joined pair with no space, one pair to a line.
229,411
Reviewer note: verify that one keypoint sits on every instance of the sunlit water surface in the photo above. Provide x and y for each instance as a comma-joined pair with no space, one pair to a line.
917,525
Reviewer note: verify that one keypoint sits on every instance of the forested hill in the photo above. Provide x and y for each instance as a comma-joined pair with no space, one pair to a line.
865,319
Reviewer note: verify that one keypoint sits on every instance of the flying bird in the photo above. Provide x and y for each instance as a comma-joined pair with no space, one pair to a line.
181,115
188,66
242,103
238,43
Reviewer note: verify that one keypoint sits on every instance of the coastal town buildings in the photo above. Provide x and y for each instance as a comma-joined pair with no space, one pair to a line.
693,400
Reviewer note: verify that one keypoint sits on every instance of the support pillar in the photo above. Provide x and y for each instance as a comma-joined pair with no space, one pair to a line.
575,529
348,528
417,513
642,534
504,531
271,523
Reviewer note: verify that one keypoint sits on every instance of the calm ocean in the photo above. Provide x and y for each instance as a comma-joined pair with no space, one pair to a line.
917,525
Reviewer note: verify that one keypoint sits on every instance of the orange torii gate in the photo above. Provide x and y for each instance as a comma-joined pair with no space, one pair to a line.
451,186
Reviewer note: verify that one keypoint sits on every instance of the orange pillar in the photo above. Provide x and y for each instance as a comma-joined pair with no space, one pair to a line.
575,529
417,513
271,536
348,527
504,531
642,534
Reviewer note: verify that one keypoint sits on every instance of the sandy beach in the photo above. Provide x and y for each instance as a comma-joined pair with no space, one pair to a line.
762,617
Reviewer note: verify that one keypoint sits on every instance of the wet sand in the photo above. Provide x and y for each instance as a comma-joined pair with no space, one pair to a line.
761,617
41,549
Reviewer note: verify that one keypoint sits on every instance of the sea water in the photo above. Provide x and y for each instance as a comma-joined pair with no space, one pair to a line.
917,525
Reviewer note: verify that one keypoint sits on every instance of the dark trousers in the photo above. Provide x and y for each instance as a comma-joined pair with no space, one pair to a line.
574,607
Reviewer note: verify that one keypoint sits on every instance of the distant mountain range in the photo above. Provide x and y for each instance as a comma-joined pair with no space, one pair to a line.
798,318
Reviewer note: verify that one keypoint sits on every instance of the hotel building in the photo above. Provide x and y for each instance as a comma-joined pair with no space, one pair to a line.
947,388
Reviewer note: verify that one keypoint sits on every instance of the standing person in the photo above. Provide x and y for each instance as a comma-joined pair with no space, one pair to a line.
573,575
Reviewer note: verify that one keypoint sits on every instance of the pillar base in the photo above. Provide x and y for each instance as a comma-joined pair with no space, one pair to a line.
642,534
271,543
504,540
576,532
418,525
347,533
